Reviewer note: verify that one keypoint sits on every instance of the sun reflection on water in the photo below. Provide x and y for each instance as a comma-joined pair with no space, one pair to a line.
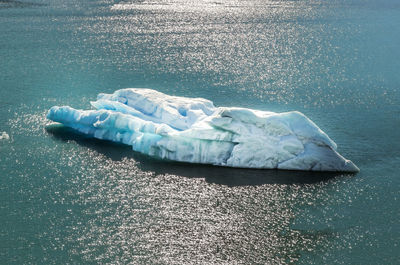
85,201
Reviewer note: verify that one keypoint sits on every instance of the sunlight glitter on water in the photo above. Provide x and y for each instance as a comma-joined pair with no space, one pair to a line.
68,199
190,6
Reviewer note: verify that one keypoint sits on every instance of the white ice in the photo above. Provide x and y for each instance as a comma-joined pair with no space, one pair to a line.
194,130
4,136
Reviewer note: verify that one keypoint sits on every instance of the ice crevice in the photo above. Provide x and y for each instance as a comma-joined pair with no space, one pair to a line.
194,130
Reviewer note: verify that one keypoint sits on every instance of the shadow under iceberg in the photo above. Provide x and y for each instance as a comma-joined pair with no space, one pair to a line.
212,174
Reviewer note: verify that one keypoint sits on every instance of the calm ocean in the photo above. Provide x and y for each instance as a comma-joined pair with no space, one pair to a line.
67,199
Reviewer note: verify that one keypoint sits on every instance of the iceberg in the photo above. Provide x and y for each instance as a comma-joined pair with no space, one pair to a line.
194,130
4,136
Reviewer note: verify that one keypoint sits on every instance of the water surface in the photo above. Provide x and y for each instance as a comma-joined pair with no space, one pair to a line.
69,199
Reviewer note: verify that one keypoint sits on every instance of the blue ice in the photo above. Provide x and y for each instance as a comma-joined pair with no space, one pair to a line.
194,130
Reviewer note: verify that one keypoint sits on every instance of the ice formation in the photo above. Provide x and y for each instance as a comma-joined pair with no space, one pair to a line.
194,130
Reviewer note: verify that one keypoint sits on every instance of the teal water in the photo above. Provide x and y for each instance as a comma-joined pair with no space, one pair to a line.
66,199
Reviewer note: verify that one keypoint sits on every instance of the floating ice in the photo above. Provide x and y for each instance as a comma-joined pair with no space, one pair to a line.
193,130
4,136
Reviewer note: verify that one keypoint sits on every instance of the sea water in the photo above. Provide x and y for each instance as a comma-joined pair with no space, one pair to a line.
66,198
